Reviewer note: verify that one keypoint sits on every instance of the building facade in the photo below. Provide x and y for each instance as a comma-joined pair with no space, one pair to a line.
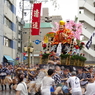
87,17
19,26
7,30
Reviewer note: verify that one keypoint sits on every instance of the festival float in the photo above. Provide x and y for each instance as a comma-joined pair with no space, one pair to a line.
65,41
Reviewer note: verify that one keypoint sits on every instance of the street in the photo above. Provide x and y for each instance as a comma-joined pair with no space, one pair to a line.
7,92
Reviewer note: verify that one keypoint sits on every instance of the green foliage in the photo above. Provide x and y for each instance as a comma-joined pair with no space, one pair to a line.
63,56
55,4
80,44
78,57
76,19
81,58
45,55
73,57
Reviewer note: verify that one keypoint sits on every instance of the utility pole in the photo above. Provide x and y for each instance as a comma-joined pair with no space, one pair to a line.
29,48
22,22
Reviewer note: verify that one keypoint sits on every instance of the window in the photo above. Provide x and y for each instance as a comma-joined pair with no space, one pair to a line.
8,4
81,11
24,32
7,22
19,41
7,42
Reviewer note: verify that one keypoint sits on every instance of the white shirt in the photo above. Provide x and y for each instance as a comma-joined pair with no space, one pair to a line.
40,76
47,82
90,89
75,83
23,88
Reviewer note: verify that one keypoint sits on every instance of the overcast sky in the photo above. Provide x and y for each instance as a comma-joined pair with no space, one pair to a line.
67,9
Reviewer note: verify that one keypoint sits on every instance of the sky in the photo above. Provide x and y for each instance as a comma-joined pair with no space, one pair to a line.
68,9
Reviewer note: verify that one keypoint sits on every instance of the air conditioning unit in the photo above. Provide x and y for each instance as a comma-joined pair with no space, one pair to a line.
19,44
19,28
19,36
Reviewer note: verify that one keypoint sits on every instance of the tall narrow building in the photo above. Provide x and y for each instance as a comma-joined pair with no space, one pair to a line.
7,31
87,17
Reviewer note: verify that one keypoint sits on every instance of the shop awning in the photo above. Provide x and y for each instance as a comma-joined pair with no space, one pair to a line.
8,58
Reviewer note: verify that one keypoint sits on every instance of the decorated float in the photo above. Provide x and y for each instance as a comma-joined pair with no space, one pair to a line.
65,41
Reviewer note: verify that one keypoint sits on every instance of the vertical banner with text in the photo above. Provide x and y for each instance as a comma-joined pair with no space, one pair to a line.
36,19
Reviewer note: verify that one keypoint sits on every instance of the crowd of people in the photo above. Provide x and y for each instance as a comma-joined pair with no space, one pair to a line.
48,79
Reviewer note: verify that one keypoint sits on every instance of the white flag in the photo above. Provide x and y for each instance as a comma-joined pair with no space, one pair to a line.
59,48
89,42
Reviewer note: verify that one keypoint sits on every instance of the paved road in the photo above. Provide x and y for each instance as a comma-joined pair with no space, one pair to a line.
7,92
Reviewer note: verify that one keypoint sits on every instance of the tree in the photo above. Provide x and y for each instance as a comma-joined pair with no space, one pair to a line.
55,3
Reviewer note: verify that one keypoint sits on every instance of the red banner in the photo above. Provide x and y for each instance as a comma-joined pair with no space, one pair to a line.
24,54
36,19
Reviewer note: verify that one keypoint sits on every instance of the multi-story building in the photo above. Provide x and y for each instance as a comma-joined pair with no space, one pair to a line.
19,38
46,18
7,30
87,17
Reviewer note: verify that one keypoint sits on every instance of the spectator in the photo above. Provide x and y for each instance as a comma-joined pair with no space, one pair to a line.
42,73
2,76
21,87
89,73
90,86
47,82
82,76
74,82
57,76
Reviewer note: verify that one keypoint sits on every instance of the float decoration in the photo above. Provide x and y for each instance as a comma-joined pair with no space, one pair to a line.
54,29
67,34
44,45
74,60
76,28
50,34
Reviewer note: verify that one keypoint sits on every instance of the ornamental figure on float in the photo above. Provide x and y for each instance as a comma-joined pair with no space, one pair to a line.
62,37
